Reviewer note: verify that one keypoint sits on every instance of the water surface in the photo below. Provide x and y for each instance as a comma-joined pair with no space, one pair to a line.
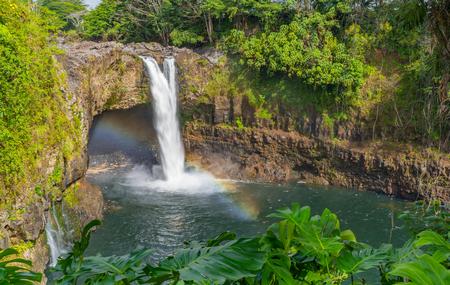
142,215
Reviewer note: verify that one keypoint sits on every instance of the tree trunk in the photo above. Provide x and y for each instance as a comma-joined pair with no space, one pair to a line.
209,26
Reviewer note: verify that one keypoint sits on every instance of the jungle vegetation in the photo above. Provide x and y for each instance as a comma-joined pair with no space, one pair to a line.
300,248
33,116
385,62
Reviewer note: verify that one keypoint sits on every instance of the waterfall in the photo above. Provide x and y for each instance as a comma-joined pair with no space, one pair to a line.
57,236
164,92
174,176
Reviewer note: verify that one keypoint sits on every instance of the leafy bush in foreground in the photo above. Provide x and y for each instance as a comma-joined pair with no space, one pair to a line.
298,249
16,270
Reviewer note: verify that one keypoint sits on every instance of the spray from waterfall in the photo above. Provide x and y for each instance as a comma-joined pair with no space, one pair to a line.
164,92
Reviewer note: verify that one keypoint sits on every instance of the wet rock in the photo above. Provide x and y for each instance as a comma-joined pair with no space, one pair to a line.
32,221
87,202
38,254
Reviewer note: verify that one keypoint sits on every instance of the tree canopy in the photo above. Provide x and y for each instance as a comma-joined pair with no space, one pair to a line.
347,51
68,12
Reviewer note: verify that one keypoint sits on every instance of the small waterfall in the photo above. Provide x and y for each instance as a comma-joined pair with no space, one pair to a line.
164,92
58,238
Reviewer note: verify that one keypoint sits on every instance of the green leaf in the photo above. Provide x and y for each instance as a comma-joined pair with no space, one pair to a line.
111,269
425,270
15,274
8,252
295,214
348,235
361,260
232,261
277,269
225,236
431,238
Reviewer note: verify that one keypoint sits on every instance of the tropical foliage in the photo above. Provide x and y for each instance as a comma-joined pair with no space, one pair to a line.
298,249
68,12
16,271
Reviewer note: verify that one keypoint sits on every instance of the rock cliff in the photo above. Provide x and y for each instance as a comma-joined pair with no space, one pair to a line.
99,77
279,156
109,75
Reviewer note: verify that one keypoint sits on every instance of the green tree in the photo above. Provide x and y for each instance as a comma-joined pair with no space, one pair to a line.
307,49
104,22
69,12
212,9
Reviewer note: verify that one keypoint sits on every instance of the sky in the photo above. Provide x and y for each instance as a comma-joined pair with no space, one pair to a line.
92,3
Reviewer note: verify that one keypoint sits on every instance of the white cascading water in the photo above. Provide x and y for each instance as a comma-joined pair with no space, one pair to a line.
56,237
176,179
164,91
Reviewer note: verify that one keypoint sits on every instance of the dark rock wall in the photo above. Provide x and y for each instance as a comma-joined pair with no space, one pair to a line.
278,156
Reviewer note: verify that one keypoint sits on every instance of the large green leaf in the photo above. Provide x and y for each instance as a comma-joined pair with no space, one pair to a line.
16,270
328,222
424,270
276,269
279,235
348,235
109,270
431,238
294,214
361,260
225,236
435,243
231,261
317,236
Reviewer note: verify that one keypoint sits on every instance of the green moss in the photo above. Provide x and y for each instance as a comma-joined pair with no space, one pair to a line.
263,113
224,126
239,124
16,215
203,61
39,191
56,177
144,95
70,196
24,246
112,101
34,117
121,67
118,91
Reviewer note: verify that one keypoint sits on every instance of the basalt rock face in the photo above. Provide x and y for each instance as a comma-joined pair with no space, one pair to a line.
273,150
278,156
101,76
